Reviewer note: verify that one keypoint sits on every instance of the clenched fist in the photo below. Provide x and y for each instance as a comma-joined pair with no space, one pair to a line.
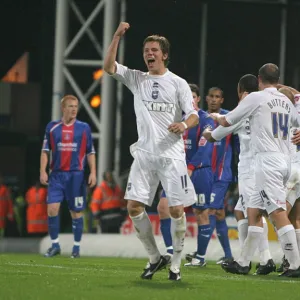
123,27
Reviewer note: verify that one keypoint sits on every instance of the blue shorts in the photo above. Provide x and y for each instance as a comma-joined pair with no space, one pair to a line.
202,180
219,190
68,186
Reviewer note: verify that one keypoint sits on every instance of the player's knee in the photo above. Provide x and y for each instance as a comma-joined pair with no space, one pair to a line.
163,208
176,212
220,214
135,208
76,214
52,210
212,212
202,216
239,215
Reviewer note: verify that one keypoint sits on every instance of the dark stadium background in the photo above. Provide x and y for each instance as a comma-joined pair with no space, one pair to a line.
241,37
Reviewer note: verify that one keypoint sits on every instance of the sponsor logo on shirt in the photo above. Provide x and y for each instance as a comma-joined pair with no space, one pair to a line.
188,144
159,106
67,147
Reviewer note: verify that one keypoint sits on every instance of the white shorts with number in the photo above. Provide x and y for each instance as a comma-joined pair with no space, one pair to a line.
246,188
293,184
272,171
148,170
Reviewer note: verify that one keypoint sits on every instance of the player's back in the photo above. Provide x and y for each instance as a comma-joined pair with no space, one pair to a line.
271,122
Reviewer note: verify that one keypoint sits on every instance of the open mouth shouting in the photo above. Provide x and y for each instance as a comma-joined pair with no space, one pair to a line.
150,62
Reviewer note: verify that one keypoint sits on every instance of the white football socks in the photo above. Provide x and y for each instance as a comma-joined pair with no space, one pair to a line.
144,232
243,231
298,238
288,241
251,243
178,230
263,246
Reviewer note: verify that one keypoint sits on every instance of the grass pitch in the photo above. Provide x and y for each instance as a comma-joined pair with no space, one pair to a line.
25,277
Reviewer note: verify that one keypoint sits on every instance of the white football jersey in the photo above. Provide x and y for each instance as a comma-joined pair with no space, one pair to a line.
295,150
242,129
271,116
159,101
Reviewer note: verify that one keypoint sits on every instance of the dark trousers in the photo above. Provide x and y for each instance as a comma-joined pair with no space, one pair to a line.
112,225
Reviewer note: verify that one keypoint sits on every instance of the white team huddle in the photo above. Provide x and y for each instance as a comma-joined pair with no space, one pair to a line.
263,121
270,183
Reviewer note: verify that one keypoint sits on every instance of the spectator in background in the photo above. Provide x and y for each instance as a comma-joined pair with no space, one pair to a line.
6,206
36,216
108,204
19,209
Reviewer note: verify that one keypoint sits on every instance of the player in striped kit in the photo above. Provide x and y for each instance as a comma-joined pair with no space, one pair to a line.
69,144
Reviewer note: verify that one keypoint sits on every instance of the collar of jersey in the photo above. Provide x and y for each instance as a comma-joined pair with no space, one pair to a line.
270,89
68,125
159,76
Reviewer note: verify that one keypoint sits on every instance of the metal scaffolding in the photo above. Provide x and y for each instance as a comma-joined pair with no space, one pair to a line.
62,61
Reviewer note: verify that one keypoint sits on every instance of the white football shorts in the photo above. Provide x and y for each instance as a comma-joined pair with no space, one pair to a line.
147,170
293,184
272,171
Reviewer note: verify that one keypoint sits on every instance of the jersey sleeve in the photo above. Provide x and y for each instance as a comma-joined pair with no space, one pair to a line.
200,157
295,117
244,110
46,143
220,132
186,99
89,145
126,76
197,159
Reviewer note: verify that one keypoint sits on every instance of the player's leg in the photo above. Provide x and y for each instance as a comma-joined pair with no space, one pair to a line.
266,264
202,180
275,169
55,197
76,197
295,220
165,222
242,223
180,192
292,193
255,228
141,188
219,191
239,214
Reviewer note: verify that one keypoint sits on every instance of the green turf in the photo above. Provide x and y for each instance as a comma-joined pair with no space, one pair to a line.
25,277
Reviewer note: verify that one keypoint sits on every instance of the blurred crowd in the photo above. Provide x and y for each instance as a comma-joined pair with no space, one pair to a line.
25,213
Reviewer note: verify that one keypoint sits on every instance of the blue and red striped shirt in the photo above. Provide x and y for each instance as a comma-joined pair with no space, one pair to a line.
198,149
69,145
222,156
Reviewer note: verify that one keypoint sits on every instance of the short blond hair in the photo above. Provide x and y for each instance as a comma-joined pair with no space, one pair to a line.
68,97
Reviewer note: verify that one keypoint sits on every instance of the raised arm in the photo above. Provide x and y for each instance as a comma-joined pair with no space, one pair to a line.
110,58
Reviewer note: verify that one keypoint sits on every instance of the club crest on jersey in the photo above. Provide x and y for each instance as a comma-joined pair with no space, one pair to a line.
155,91
67,137
129,186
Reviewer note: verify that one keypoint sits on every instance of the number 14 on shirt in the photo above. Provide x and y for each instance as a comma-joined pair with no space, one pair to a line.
280,122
